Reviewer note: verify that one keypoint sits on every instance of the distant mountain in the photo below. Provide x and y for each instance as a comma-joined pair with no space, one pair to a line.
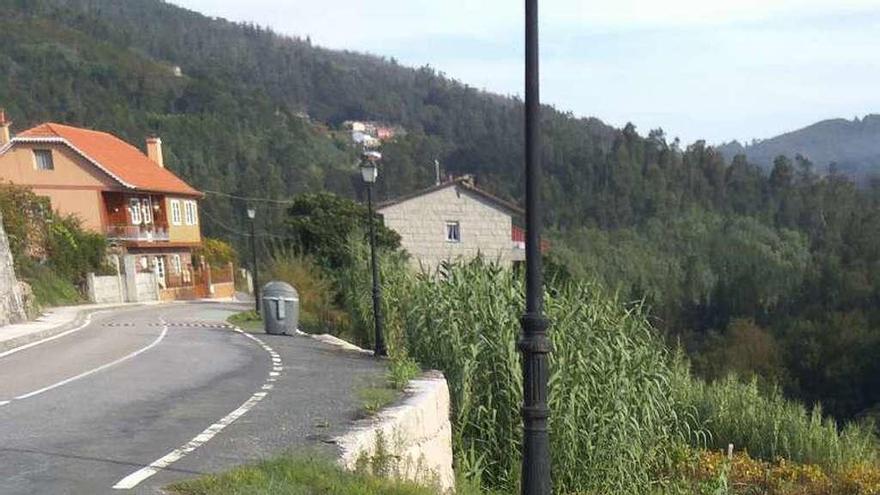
853,145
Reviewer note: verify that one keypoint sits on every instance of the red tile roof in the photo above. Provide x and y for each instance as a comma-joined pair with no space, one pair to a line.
518,236
122,161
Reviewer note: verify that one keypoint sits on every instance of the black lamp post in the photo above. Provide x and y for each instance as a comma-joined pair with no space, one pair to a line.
534,343
370,172
252,214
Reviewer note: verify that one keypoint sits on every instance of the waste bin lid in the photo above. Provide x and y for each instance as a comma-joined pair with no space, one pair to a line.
279,290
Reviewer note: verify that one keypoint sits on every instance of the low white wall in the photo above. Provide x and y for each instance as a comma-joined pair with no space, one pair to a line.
411,441
146,286
106,289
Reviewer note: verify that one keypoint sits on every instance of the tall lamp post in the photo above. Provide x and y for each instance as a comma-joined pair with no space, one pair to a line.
370,172
252,214
534,343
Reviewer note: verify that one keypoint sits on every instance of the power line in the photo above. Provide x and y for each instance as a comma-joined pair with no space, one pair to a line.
243,234
247,198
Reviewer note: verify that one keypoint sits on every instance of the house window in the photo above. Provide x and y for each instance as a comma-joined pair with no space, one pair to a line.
146,211
175,264
453,232
159,262
43,160
189,210
134,209
175,212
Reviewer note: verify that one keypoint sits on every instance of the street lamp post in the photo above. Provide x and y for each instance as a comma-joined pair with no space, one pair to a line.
534,343
370,172
252,214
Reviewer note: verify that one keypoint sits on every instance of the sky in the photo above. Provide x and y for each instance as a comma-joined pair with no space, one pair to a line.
699,69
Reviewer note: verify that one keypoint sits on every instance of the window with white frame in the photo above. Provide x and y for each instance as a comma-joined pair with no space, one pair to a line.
453,232
175,264
189,211
134,209
146,211
175,212
43,160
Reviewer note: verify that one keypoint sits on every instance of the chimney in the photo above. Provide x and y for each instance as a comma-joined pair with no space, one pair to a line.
4,127
154,150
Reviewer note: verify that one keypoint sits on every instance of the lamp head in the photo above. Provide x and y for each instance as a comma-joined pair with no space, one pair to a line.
369,168
251,212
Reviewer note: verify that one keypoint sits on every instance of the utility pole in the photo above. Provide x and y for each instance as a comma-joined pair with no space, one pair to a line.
534,343
252,214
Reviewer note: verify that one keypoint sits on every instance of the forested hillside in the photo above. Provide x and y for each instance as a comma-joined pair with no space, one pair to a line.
754,270
850,146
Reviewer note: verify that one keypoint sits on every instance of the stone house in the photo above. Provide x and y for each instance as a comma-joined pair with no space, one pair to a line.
454,220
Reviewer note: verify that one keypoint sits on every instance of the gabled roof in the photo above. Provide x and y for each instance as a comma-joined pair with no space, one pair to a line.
118,159
466,183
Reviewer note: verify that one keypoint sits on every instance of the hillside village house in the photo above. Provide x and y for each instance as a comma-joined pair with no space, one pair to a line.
150,214
455,220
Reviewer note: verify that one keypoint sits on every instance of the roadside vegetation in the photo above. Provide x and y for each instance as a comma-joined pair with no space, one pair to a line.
51,252
627,415
296,475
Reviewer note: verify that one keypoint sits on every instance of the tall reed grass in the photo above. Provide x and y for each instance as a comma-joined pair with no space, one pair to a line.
769,426
623,409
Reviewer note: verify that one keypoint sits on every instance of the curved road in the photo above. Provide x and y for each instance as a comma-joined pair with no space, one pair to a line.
139,398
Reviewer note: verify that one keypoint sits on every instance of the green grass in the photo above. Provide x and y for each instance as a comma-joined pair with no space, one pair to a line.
295,475
247,320
375,398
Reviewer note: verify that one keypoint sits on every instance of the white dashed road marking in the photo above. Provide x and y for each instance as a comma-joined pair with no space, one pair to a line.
135,478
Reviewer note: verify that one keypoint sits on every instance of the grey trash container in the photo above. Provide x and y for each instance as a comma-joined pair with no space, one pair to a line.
280,304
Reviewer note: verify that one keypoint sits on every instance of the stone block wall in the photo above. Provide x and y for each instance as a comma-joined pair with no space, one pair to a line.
11,304
411,441
421,223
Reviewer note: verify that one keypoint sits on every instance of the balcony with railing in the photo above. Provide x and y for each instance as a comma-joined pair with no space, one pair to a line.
138,233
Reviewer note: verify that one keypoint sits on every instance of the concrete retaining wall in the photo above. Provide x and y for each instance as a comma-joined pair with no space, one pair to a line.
412,440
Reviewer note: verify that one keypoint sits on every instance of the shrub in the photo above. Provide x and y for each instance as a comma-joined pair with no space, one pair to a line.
72,251
217,253
52,252
48,287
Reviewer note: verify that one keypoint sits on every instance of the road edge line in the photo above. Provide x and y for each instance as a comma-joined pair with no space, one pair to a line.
134,479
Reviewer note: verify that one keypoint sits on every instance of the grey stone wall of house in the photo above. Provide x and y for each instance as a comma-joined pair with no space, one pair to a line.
11,304
421,223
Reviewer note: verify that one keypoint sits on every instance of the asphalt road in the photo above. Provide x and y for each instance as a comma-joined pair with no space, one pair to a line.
143,397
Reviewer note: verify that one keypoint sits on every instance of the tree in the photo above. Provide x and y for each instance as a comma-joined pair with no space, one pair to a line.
320,224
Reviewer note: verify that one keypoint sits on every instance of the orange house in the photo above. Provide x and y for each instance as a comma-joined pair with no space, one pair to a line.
113,188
